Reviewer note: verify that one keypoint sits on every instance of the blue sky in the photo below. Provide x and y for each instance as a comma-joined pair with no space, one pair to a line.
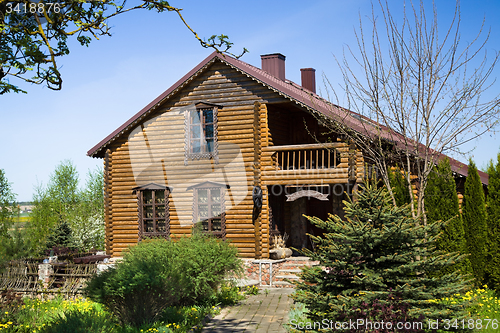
111,80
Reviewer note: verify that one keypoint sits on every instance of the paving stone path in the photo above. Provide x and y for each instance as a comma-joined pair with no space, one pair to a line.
265,312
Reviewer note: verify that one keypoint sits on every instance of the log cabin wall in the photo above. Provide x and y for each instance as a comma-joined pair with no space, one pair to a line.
153,152
136,159
258,130
262,141
107,202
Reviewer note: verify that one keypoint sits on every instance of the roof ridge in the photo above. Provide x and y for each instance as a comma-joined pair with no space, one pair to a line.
303,97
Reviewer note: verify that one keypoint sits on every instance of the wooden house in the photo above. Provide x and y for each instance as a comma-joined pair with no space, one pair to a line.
233,149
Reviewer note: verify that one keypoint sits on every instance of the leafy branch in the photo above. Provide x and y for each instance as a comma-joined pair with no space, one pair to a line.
33,35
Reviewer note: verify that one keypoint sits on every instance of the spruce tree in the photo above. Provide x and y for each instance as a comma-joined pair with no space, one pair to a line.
493,224
369,268
441,203
474,217
60,237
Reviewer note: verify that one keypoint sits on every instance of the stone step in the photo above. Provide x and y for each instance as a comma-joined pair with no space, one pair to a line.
282,284
289,265
298,262
285,270
302,258
293,267
290,277
242,283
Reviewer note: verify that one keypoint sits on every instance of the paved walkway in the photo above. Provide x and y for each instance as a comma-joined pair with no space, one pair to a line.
265,312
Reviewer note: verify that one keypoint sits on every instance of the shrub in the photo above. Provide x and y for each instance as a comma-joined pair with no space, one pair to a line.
391,310
157,274
205,262
88,232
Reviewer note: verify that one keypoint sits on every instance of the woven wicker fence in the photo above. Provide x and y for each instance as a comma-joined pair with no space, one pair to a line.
66,278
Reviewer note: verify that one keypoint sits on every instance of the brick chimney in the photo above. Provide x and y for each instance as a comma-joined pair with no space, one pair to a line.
274,64
308,77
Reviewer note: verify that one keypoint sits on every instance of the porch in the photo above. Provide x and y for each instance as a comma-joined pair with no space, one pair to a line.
305,179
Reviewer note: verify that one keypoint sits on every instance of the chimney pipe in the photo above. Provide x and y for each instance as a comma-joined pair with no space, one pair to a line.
274,64
308,77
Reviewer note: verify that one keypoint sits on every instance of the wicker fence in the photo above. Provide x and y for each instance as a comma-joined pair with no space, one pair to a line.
32,277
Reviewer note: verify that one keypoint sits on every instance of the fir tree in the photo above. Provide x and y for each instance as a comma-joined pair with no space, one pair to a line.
60,237
474,217
493,223
399,186
369,262
441,203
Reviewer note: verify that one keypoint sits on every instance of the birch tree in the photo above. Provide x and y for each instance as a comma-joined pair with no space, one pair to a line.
418,92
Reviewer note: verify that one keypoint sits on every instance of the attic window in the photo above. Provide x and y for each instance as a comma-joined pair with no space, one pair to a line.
201,132
153,211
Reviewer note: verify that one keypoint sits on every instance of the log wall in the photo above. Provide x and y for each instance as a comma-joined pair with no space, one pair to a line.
153,152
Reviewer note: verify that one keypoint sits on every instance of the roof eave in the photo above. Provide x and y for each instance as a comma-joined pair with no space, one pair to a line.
98,150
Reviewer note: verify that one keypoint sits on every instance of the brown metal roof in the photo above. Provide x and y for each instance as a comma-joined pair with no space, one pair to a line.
288,89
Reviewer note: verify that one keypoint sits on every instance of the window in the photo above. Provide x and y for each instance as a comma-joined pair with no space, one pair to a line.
209,207
153,211
201,132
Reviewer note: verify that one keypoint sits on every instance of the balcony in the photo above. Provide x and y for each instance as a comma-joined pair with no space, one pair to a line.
304,157
305,164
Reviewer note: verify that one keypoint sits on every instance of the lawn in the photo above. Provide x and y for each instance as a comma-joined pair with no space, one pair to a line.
81,315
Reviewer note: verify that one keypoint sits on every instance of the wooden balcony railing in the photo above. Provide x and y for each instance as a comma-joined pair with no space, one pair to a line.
305,157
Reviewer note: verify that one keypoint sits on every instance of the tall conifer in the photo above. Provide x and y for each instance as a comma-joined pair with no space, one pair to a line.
493,223
441,203
368,268
474,217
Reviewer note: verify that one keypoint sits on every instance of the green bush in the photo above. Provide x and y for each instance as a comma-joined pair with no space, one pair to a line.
157,274
374,265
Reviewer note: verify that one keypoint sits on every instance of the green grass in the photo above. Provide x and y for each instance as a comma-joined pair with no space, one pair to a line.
22,219
297,316
84,316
